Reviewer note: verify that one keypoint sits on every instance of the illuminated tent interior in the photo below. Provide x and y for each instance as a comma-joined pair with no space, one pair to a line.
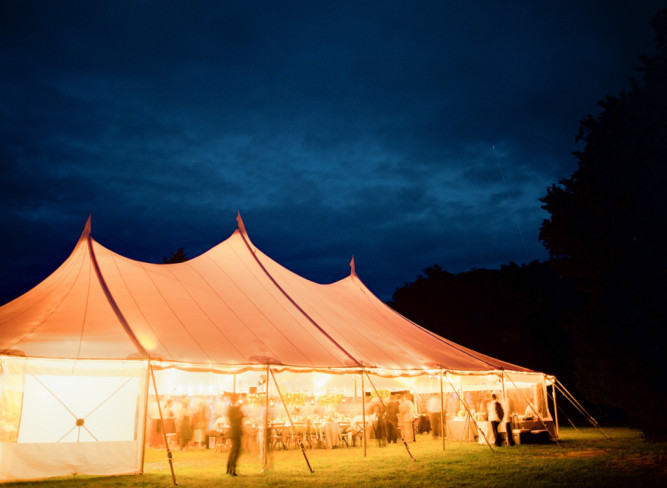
77,350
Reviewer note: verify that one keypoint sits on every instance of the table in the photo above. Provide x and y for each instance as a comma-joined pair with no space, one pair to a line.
461,429
331,431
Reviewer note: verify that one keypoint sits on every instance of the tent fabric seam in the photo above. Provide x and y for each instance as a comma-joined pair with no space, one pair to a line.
261,312
296,304
288,311
53,310
129,292
173,312
112,302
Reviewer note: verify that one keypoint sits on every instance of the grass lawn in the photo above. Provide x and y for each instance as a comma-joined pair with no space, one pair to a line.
583,458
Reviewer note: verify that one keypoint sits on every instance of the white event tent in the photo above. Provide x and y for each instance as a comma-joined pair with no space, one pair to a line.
77,350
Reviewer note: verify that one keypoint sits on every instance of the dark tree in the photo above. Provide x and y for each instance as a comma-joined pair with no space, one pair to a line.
176,257
607,232
513,314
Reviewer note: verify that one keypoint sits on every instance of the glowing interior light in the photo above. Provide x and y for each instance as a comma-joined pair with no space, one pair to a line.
319,380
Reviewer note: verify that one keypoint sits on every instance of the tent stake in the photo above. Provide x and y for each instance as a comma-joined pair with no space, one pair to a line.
470,415
407,448
303,449
442,412
164,433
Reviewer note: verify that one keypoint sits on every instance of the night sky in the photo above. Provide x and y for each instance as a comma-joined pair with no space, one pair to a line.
404,133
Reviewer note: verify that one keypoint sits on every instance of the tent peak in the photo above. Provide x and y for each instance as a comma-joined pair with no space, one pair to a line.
239,221
86,228
353,271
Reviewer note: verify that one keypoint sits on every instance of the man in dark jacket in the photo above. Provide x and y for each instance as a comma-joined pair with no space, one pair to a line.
392,419
235,415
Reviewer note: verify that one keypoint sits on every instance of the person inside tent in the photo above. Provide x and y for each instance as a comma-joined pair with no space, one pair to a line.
508,406
406,415
495,414
392,419
235,415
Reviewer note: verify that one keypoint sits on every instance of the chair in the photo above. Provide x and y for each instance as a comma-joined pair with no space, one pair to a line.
277,437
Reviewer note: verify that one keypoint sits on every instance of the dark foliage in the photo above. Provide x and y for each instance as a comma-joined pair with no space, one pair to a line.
607,233
176,257
513,313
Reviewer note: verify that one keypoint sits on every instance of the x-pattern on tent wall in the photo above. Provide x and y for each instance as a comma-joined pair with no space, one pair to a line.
230,309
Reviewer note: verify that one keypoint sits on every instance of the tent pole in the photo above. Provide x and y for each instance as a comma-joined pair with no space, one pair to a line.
265,458
363,409
442,411
303,450
395,426
164,433
578,405
580,409
502,381
470,414
568,418
143,441
539,417
506,406
553,392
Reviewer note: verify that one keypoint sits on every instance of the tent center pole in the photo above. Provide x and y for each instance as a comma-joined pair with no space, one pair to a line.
164,433
265,443
143,441
460,396
553,391
363,409
289,417
442,411
395,426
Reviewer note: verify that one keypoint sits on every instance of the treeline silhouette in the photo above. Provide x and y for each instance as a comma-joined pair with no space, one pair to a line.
513,313
595,313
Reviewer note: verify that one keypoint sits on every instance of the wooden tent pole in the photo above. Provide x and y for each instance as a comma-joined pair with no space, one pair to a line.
363,409
265,459
502,381
442,411
470,414
143,442
395,426
508,414
580,407
553,391
164,433
303,450
561,411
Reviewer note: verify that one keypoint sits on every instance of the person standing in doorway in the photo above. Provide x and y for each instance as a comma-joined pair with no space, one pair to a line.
235,415
392,419
406,413
507,420
434,407
495,414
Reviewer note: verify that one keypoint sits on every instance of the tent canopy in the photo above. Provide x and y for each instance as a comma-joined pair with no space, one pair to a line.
230,306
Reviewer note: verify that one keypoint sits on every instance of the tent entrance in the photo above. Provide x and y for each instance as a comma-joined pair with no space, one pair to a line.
88,416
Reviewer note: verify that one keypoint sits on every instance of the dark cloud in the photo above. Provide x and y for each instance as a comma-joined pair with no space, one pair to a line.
405,133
